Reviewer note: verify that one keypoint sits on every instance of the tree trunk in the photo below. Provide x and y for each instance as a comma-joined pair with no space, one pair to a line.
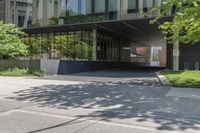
176,54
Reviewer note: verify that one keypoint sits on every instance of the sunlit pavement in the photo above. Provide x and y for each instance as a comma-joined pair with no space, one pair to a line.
100,102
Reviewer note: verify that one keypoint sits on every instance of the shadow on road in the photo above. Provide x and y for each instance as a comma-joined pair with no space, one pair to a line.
118,73
118,101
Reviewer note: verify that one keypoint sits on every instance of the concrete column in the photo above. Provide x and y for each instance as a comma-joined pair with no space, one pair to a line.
140,6
7,11
176,53
56,8
123,8
118,9
157,3
45,17
35,12
15,12
94,45
27,13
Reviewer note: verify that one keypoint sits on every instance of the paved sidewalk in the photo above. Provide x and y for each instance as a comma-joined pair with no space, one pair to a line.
82,106
191,93
23,121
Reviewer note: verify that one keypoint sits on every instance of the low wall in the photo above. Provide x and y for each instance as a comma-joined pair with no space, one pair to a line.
83,66
31,64
61,67
65,67
52,67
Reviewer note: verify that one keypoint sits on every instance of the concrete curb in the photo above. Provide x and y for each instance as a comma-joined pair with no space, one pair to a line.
163,80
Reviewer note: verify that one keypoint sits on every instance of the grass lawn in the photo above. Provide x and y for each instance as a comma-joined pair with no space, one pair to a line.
189,79
16,72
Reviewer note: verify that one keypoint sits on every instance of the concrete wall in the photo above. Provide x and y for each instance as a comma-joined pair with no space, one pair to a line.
83,66
2,10
50,67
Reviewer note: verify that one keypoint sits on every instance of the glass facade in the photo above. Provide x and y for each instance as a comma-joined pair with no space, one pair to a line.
95,45
92,45
79,43
20,12
132,6
108,46
61,45
39,13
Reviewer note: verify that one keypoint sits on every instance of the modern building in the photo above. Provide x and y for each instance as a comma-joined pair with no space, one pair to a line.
99,33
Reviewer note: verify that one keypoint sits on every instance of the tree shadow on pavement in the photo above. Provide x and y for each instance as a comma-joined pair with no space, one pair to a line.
110,101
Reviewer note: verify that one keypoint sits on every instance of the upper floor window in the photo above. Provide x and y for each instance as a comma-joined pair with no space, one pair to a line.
132,6
99,6
114,5
72,6
147,5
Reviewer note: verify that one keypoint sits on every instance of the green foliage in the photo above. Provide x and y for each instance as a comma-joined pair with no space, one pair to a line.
11,44
54,21
70,46
16,72
183,78
33,46
185,26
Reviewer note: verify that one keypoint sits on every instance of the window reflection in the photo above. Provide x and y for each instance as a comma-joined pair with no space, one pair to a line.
147,5
99,6
61,45
37,13
73,7
132,6
21,12
114,5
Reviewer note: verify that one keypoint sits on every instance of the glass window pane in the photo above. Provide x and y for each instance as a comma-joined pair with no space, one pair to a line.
45,46
114,5
37,13
72,6
50,8
84,7
99,6
21,12
34,46
88,6
132,4
148,3
158,3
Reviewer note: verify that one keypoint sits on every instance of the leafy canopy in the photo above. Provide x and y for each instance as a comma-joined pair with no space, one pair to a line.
185,26
11,44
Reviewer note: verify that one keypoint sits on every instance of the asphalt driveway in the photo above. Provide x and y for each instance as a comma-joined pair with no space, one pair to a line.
139,77
100,102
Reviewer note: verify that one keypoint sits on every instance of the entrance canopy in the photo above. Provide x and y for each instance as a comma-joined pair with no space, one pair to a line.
125,28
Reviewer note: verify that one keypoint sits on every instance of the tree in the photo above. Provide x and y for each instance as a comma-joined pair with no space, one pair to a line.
184,27
11,44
